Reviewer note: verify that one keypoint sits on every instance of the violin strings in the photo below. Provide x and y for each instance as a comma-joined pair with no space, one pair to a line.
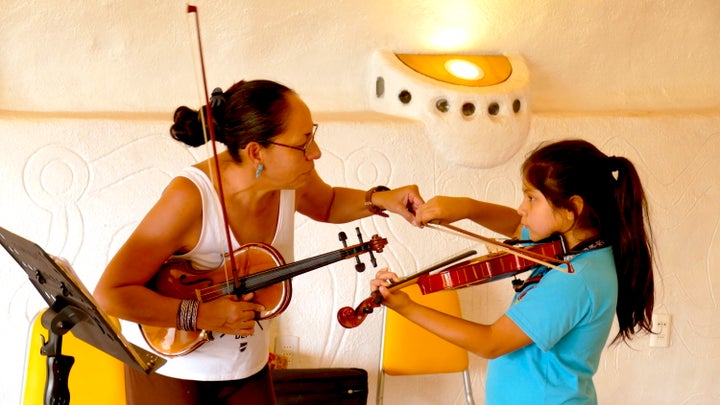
213,292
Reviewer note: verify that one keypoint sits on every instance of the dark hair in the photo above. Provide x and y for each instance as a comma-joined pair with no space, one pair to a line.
615,205
248,111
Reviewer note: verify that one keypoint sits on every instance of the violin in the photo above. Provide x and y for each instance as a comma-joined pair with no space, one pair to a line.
350,318
488,268
484,269
267,275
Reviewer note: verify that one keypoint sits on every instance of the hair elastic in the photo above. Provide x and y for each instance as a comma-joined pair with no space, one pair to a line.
217,98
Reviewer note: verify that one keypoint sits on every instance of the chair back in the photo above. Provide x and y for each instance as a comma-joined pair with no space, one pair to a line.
95,376
409,349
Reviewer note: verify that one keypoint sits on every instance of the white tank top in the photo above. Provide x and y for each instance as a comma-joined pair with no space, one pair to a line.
226,357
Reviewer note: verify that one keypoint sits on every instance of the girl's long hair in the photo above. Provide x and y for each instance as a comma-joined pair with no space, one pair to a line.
615,205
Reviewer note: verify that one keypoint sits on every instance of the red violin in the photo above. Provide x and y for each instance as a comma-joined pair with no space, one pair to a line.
484,269
491,267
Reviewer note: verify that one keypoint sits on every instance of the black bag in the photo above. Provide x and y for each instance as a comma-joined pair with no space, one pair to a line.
343,386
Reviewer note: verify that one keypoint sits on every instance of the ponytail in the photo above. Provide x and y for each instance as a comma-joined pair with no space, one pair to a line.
633,253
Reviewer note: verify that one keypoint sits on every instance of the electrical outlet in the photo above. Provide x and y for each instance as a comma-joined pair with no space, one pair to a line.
287,347
661,326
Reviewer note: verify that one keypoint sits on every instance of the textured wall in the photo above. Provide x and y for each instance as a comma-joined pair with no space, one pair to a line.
638,79
79,197
128,55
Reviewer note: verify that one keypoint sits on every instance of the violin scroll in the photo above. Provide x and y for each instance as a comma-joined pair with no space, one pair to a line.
350,318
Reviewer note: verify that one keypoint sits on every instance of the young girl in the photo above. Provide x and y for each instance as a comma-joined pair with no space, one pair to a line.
545,349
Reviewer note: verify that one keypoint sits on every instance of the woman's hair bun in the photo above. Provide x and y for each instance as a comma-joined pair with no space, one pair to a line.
187,127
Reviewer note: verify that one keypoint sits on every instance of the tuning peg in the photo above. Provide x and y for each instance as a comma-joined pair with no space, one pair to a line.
373,260
359,266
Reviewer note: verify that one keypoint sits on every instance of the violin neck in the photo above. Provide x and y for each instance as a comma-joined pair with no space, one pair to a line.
260,280
446,262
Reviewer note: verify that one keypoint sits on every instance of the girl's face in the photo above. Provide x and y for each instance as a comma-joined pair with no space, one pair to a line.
539,216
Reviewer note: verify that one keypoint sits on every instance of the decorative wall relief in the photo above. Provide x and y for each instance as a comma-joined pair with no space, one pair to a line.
55,177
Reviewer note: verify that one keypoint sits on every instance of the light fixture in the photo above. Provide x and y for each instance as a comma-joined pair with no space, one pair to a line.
463,70
476,107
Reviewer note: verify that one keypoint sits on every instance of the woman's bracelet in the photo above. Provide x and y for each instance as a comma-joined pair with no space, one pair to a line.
374,209
187,315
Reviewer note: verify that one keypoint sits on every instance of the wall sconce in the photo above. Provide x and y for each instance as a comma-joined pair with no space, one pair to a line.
463,70
476,107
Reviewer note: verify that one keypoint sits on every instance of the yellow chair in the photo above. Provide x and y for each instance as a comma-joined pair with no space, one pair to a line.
95,376
408,349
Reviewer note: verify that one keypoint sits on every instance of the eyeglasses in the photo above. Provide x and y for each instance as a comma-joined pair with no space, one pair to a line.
303,148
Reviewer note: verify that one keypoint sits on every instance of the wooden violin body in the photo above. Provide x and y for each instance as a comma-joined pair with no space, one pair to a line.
491,267
484,269
264,273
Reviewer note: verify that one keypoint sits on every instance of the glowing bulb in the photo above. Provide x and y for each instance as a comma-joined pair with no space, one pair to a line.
464,69
450,38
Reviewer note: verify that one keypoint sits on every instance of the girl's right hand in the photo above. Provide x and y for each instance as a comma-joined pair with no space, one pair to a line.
441,208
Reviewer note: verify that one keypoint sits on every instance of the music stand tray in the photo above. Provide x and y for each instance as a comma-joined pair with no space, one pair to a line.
71,307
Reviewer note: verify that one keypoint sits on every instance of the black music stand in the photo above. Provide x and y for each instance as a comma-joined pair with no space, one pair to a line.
71,307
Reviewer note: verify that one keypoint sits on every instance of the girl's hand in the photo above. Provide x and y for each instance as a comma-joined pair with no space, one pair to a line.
441,208
394,299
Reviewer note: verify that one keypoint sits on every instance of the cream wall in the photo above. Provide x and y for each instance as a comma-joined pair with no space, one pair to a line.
87,93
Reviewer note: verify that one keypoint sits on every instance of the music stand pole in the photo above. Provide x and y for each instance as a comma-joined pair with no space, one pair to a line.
58,364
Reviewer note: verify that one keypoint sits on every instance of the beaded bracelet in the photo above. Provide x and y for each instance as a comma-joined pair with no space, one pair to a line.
187,315
368,201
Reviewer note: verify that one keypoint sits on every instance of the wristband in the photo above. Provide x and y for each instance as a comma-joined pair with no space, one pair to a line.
374,209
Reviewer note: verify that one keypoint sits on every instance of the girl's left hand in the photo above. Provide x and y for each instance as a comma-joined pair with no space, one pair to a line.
394,299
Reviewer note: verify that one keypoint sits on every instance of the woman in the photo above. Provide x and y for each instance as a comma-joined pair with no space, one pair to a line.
546,348
267,174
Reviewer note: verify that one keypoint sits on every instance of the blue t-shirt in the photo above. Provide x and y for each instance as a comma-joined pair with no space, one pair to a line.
568,316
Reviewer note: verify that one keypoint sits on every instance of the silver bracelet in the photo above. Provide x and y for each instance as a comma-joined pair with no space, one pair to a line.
187,315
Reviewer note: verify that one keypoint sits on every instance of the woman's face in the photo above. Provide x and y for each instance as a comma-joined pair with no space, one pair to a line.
540,217
287,163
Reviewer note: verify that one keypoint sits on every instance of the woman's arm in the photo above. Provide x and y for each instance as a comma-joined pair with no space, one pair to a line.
122,290
322,202
170,227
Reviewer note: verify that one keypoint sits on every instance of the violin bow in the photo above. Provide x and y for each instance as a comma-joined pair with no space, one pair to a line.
525,254
209,124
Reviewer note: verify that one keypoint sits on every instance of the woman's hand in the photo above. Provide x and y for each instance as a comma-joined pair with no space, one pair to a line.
403,201
230,315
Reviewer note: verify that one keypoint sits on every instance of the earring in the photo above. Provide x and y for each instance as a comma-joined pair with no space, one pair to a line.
260,168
